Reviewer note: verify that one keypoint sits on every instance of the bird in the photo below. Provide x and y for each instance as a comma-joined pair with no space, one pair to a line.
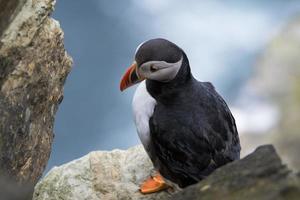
185,126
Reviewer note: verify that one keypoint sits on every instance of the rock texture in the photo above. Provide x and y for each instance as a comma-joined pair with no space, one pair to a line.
117,175
33,69
99,175
261,175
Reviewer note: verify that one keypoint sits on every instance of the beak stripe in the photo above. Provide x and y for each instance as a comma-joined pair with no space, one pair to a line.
130,78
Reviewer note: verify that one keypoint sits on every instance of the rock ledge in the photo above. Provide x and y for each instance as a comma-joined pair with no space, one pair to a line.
117,175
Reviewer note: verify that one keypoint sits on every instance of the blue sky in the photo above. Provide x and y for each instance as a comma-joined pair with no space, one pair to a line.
222,39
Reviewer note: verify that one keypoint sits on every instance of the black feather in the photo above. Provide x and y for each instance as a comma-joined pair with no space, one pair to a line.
192,129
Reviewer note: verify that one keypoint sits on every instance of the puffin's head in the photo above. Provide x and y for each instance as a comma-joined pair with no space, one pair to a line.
156,59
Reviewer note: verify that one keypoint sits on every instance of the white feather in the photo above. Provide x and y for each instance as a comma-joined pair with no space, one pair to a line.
143,106
166,71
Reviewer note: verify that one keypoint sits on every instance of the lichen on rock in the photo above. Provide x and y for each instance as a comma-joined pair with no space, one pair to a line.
33,69
99,175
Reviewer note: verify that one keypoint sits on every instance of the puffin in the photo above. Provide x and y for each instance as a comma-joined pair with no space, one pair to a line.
185,126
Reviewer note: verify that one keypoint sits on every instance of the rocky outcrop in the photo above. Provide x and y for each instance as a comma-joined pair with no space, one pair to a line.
260,175
277,79
117,175
99,175
33,69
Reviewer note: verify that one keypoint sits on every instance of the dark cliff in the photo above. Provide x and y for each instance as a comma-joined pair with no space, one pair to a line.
33,69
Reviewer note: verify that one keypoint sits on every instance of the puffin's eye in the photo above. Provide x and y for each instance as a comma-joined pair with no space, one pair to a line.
153,68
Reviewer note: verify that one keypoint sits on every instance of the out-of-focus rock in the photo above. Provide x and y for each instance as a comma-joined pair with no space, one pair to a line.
117,175
277,78
33,69
99,175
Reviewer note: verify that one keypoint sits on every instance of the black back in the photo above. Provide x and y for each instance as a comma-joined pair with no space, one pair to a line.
192,129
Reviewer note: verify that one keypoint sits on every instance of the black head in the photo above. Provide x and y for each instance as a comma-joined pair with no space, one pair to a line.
158,50
157,60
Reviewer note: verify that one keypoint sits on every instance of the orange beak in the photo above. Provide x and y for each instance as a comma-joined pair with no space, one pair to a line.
130,78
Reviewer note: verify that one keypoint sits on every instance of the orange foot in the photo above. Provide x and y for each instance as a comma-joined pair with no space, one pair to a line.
153,184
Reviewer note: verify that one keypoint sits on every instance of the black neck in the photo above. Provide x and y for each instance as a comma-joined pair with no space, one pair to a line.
162,90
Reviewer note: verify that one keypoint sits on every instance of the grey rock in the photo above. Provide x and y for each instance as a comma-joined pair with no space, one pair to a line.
33,69
99,175
9,9
260,176
118,174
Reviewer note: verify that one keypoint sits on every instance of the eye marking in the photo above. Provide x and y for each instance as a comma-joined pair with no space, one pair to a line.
153,68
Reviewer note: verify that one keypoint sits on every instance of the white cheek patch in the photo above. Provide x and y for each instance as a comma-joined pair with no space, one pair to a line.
143,106
166,71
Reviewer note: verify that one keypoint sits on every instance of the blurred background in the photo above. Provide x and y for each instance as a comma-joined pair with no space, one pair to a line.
250,51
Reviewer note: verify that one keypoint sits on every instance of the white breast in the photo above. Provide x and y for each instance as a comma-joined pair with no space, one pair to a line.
143,106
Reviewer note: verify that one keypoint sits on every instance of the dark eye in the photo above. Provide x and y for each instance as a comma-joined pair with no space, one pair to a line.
153,68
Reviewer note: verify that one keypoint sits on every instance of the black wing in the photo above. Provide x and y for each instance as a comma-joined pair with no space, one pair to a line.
189,142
